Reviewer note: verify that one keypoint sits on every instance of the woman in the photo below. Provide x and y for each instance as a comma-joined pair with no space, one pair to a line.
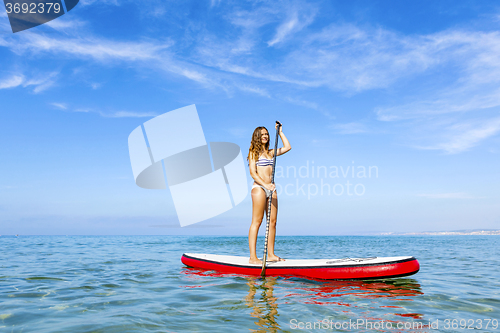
260,160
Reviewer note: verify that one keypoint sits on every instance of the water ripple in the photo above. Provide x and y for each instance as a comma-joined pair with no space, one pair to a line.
138,284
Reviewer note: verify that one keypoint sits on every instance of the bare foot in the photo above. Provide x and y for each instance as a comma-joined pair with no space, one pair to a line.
275,258
255,261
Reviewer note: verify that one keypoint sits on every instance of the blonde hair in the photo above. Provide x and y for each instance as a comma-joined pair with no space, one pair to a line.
256,146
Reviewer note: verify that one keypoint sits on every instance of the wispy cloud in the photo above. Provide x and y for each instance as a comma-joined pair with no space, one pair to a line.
465,98
350,128
94,48
343,58
100,2
152,54
239,132
104,113
296,20
83,110
129,114
475,57
65,24
456,195
61,106
465,135
352,59
214,3
255,90
12,81
301,102
40,82
284,29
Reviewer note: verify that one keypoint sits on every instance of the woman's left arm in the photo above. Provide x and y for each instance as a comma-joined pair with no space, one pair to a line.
286,145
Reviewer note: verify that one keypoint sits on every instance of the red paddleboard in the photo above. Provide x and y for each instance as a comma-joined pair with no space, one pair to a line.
327,269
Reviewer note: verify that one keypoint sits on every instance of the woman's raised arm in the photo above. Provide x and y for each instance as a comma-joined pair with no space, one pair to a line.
286,145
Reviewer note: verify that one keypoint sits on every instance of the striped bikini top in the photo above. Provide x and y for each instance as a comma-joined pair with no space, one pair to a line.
262,161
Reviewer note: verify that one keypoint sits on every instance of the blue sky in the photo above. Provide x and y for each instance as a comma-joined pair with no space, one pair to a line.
409,88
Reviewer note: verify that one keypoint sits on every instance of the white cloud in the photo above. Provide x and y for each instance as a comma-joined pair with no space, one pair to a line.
463,136
84,110
240,132
61,106
255,90
475,58
98,49
250,20
347,58
284,29
153,54
351,59
100,2
63,24
106,114
129,114
300,102
40,82
341,57
350,128
12,82
214,3
297,20
457,195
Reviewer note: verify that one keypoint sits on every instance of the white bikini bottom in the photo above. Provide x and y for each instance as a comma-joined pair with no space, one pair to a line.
268,193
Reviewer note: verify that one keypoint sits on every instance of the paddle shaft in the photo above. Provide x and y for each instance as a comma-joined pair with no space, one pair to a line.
268,219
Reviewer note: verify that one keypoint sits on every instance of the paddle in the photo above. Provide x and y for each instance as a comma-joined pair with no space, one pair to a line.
263,273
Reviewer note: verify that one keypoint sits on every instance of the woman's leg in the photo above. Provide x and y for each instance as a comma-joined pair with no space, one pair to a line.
258,207
272,228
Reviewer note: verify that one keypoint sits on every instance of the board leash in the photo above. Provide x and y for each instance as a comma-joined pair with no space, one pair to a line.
268,219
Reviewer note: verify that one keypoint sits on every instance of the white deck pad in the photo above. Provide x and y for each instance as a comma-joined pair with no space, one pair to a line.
243,261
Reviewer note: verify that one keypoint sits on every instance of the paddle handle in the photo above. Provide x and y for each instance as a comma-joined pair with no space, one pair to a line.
269,201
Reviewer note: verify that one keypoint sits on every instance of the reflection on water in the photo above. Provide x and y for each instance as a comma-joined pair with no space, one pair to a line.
326,292
266,295
138,284
265,307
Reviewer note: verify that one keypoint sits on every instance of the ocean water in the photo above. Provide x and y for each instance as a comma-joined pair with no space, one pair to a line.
138,284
